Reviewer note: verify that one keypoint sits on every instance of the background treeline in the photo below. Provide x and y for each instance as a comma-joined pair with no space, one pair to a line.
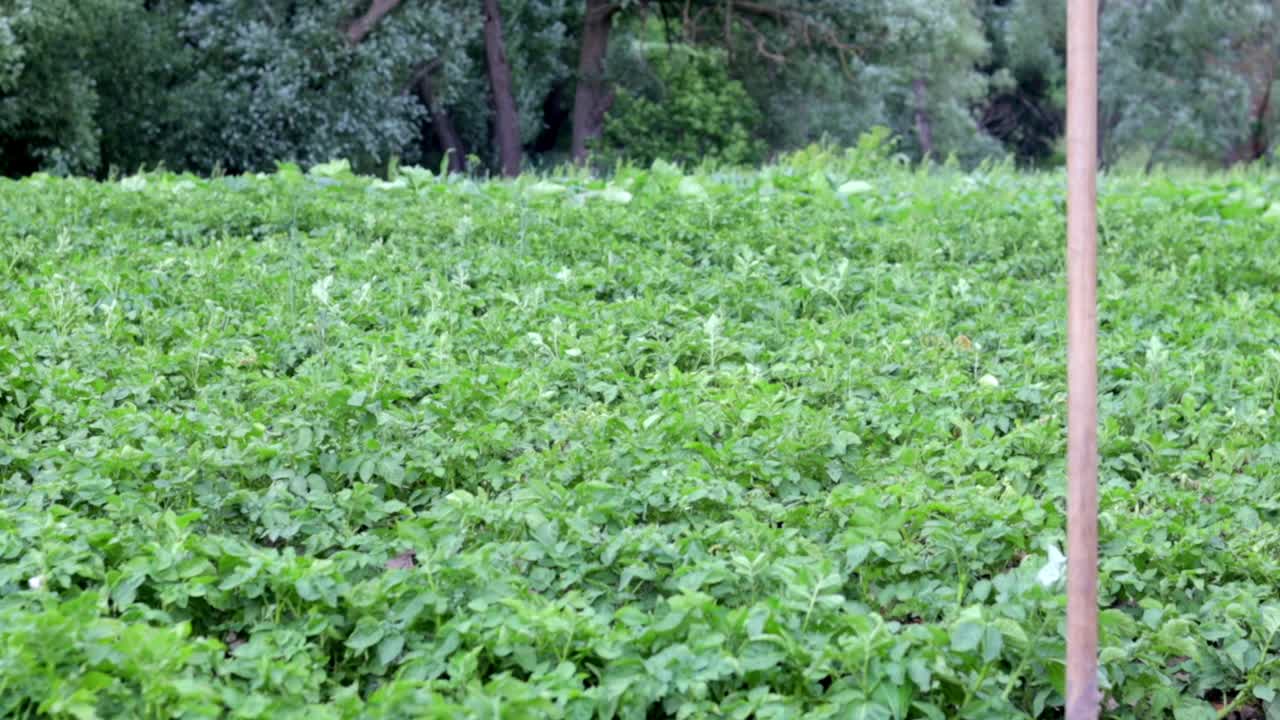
92,86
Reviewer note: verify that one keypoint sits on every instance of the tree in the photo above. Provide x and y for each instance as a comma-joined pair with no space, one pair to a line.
308,82
441,122
1258,62
540,57
591,98
1025,107
237,85
506,119
69,67
680,104
1170,78
837,68
1180,78
932,61
363,25
422,83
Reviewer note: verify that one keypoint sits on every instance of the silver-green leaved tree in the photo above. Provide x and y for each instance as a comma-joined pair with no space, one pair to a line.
837,68
1185,80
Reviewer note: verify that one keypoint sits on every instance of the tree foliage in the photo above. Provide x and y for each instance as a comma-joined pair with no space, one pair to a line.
288,86
1026,104
87,83
91,85
540,49
836,68
1172,76
1189,79
680,104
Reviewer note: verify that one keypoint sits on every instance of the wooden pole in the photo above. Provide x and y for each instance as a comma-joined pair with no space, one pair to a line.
1082,360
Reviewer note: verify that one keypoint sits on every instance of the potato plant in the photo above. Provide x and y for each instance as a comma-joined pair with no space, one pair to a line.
771,445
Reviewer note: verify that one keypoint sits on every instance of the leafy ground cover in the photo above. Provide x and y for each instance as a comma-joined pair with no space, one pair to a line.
742,446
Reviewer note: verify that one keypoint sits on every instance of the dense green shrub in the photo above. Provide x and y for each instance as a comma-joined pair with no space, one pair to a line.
84,84
87,85
680,104
281,83
47,113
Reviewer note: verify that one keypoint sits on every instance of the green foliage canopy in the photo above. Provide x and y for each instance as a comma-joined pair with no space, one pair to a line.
679,104
87,86
87,83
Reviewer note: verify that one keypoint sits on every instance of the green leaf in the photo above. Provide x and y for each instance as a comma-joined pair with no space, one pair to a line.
306,589
389,648
391,471
992,644
544,188
366,634
1194,709
920,674
965,636
690,187
1039,702
615,195
331,169
1013,632
757,656
855,187
1242,654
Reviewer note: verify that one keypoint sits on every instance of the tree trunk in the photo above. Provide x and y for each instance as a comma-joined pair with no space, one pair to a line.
1156,150
365,23
924,129
1261,143
592,98
442,125
1257,143
506,119
1106,120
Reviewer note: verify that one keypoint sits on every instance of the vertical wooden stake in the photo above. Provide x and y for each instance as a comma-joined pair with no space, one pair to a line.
1082,360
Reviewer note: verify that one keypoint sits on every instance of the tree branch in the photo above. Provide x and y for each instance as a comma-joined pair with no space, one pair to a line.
602,11
363,25
803,28
420,72
762,46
